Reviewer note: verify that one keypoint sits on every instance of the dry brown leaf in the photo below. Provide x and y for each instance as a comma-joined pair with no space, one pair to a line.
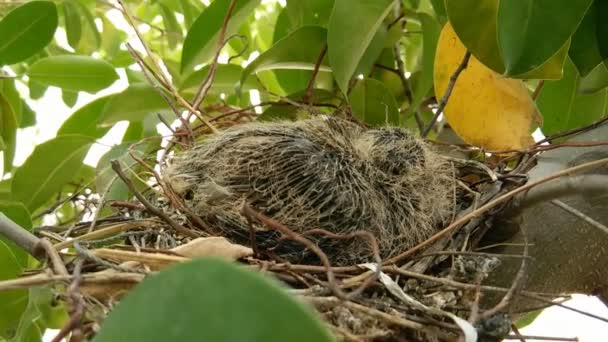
216,246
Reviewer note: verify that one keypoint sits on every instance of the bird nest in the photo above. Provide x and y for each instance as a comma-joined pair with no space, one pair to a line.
369,226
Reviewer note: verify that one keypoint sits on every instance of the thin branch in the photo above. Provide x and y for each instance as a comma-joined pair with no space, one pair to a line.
247,211
311,83
206,85
501,199
539,87
580,215
21,237
151,208
446,96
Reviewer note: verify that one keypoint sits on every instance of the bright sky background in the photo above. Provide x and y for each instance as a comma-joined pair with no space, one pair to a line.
51,113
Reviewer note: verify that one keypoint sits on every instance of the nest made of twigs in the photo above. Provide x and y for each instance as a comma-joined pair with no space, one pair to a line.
314,174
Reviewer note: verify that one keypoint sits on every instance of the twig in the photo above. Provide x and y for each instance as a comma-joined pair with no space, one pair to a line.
151,208
53,255
539,87
91,278
517,282
206,85
448,91
21,237
311,83
580,215
247,211
484,208
394,320
541,338
77,307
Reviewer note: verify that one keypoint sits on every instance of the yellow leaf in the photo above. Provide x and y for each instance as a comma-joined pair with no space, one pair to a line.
485,108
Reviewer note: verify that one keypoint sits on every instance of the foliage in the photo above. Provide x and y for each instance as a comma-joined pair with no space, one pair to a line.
213,314
351,55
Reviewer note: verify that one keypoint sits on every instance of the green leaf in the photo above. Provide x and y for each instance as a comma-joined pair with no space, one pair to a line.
69,97
226,80
190,9
531,31
13,302
563,109
85,120
37,90
172,28
28,117
214,298
299,50
17,212
73,73
350,30
133,104
8,132
551,69
52,165
424,82
474,21
373,104
596,80
201,41
90,38
585,49
12,96
310,12
73,27
26,30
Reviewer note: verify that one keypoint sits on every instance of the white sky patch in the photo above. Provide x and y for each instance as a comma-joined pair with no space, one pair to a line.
252,57
105,143
254,98
61,39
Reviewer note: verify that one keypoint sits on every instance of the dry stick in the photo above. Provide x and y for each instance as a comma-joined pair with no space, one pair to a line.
91,278
311,83
580,215
77,307
446,96
247,211
34,246
484,208
204,88
160,75
539,87
541,338
151,208
517,282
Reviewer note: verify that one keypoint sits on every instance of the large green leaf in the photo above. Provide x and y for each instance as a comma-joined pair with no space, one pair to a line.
26,30
424,81
373,104
73,26
8,132
299,50
596,80
133,104
214,303
562,108
585,49
90,37
172,28
201,41
13,302
17,212
52,165
74,73
85,120
350,30
474,21
310,12
531,31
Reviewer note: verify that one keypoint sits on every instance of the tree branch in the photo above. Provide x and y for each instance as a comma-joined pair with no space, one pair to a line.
446,96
